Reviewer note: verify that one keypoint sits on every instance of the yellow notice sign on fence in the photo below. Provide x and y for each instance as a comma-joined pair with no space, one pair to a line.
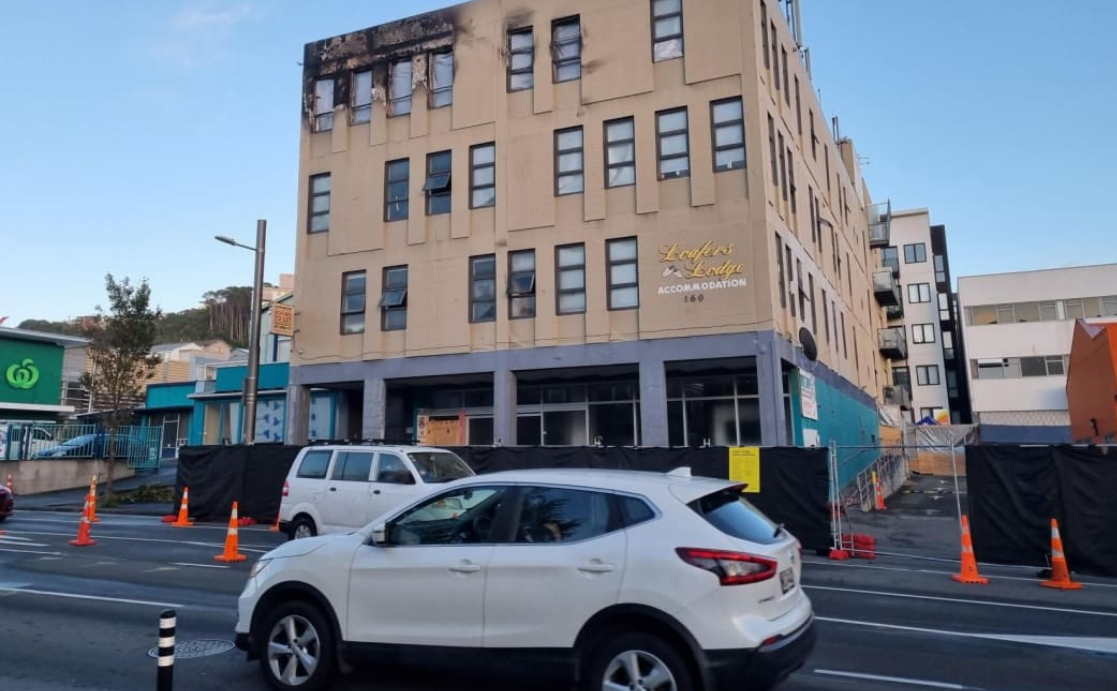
744,466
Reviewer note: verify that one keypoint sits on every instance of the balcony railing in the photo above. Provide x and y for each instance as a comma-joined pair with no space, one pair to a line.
893,312
880,224
892,261
893,342
885,287
898,395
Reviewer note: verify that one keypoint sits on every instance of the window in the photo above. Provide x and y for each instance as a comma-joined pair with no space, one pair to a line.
901,376
772,150
732,514
352,466
801,288
944,307
552,514
948,345
814,311
1048,311
919,292
729,134
396,189
324,105
521,59
441,79
845,344
779,265
927,413
923,333
620,152
319,221
399,85
791,182
635,510
482,176
940,270
814,137
623,280
438,183
915,253
673,143
1109,306
570,266
786,77
667,29
393,299
353,302
764,33
783,165
430,522
815,230
775,55
798,108
362,97
927,375
315,464
825,316
790,276
569,162
391,470
521,284
566,49
482,288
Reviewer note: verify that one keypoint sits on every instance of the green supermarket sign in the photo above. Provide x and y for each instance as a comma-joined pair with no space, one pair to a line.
22,375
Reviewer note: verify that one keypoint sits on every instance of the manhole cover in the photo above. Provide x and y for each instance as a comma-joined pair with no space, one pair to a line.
201,648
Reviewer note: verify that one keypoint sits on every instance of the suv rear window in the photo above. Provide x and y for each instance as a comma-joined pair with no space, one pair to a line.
729,511
439,466
314,464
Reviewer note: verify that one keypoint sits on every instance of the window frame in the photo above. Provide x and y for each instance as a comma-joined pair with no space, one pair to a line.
558,63
919,334
609,143
474,278
441,191
715,125
387,287
474,166
394,101
500,532
346,293
580,173
513,293
918,250
311,214
388,181
559,269
436,93
659,136
513,51
657,40
357,108
610,263
923,375
919,290
324,118
614,518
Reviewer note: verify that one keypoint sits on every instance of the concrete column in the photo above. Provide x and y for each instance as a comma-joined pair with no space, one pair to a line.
298,414
769,375
653,403
372,413
504,407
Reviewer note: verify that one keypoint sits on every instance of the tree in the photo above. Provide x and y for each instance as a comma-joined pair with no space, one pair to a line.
120,351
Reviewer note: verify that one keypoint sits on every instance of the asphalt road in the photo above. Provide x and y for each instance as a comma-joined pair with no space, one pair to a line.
85,618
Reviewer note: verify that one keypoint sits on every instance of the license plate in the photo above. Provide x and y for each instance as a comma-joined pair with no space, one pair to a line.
787,579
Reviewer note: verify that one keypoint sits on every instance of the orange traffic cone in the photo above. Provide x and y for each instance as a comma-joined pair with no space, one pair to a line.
231,541
11,487
184,511
1060,573
969,572
83,539
879,492
93,501
275,526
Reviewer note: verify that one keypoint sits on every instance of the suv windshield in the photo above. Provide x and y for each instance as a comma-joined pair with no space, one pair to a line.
729,511
439,466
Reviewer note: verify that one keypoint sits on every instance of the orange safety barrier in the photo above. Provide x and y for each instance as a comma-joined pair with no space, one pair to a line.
232,541
1060,572
969,572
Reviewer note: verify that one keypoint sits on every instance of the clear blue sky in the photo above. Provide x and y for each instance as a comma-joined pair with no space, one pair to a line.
135,131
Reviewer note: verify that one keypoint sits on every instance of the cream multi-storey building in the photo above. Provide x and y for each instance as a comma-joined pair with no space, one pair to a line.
576,221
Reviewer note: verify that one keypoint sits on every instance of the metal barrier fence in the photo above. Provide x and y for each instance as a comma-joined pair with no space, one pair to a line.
22,441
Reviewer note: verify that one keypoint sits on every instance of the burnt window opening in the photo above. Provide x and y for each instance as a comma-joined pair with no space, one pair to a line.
362,98
393,299
521,60
324,104
319,214
482,176
566,49
441,79
569,162
400,88
729,134
667,29
353,302
521,284
397,176
620,152
673,143
438,183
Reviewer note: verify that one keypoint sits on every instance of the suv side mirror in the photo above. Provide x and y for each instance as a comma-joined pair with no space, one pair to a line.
380,534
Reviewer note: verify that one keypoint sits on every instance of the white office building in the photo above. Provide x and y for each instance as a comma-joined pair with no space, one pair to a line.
1018,331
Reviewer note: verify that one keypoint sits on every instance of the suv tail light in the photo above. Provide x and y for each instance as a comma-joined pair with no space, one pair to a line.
286,488
731,568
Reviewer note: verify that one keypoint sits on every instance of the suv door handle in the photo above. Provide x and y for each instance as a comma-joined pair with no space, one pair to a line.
376,491
333,489
466,568
596,567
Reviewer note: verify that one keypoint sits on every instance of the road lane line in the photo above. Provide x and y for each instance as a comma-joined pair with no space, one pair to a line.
259,549
841,565
895,680
1089,643
986,603
4,541
100,598
27,551
203,566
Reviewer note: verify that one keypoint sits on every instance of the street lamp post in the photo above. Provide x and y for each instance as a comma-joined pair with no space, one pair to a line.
252,379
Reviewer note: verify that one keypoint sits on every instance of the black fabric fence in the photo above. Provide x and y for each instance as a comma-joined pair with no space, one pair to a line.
793,481
1015,491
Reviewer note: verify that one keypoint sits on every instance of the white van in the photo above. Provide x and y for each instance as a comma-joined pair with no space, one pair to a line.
331,489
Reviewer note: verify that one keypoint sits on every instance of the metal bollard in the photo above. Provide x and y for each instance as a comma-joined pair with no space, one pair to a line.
165,679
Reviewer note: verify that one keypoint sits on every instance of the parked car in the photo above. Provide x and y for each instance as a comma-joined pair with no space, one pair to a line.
332,489
610,579
95,445
23,440
7,503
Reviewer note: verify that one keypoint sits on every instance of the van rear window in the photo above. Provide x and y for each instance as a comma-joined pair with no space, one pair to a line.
315,464
729,511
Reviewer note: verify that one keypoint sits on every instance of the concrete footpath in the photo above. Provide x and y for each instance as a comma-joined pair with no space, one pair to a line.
74,499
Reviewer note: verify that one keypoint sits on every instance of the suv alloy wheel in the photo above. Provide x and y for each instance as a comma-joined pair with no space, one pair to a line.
638,661
298,650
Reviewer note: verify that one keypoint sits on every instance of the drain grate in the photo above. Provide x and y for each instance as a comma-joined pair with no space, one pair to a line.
200,648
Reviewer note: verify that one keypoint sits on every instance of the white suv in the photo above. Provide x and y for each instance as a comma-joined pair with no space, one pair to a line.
333,489
612,579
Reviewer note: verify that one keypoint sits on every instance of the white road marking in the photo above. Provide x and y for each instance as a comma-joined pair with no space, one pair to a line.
26,551
100,598
163,568
895,680
844,565
216,545
5,538
23,542
985,603
203,566
1090,643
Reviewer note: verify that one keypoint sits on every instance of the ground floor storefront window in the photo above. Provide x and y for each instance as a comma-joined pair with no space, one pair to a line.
580,414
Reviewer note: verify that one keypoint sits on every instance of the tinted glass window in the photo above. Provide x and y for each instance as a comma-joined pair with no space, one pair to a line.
562,515
393,471
440,466
732,514
353,466
314,464
635,510
463,516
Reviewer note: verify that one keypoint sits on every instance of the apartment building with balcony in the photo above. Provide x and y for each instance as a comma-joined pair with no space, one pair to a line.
1018,330
567,222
